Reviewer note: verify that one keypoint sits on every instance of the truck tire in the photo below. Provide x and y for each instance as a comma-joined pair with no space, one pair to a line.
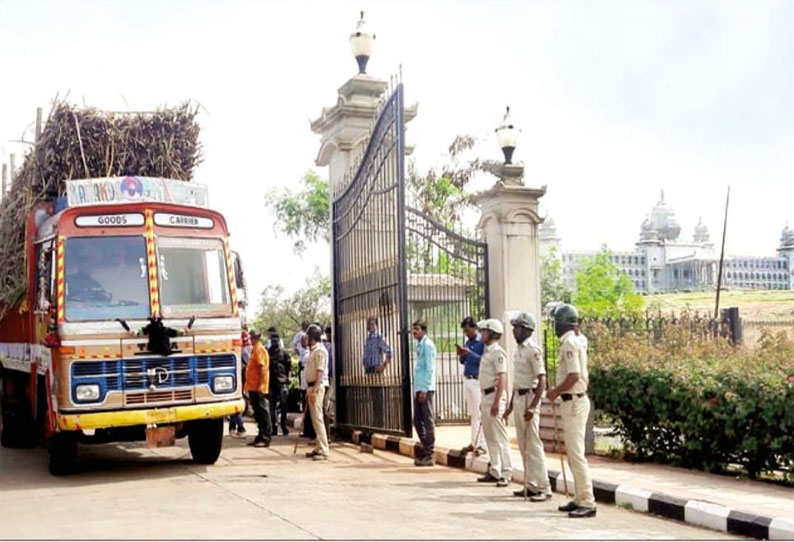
62,452
16,425
205,438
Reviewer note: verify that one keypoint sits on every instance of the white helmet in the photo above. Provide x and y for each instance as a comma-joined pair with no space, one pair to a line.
492,324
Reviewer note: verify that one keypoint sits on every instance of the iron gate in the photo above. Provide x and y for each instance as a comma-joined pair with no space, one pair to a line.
368,231
396,264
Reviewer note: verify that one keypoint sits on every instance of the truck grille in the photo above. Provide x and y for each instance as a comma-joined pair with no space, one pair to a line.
169,376
149,397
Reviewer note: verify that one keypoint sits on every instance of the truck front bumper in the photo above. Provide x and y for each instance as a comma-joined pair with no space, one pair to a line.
125,418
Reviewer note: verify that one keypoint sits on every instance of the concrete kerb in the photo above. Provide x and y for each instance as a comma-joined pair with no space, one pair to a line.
694,512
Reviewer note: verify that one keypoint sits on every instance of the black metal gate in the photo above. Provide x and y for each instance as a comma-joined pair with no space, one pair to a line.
370,281
395,264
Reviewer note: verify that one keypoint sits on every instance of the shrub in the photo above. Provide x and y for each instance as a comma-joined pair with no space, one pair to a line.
696,403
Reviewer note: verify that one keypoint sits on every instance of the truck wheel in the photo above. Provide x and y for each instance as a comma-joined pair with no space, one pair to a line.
62,452
205,438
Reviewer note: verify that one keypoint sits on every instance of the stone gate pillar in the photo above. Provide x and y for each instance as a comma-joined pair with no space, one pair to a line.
509,224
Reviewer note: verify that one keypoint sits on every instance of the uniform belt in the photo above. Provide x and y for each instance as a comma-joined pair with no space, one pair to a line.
310,383
524,391
570,396
488,391
471,377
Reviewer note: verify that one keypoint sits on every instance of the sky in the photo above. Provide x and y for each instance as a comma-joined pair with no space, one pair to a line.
616,100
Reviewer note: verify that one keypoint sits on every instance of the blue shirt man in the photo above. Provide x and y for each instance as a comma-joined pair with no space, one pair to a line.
424,390
375,349
470,355
425,366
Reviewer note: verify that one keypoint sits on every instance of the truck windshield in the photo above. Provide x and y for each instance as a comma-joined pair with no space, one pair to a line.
193,279
106,278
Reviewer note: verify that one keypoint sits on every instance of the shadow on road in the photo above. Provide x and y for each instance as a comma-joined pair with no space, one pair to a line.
22,469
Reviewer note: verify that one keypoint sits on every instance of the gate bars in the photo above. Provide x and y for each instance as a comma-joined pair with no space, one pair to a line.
397,264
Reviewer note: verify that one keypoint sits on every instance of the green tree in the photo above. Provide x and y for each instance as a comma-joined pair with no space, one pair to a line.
303,215
552,286
441,191
310,303
602,291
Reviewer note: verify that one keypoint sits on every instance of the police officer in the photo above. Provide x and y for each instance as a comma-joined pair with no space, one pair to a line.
572,381
529,376
493,385
317,382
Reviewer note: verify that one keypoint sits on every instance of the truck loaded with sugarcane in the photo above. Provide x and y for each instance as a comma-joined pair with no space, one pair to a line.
120,300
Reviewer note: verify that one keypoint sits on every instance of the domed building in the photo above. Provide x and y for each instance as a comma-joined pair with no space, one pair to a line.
663,262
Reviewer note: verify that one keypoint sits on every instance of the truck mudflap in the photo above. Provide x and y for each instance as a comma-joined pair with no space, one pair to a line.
124,418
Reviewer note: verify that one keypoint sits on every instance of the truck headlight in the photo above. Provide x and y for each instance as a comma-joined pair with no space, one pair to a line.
87,392
223,383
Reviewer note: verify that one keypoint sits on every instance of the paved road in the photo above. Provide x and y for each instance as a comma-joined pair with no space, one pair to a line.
126,491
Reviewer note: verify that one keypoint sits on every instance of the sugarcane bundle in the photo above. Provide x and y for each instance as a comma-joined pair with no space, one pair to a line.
84,143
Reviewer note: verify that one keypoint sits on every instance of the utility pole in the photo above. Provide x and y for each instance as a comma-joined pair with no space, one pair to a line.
722,255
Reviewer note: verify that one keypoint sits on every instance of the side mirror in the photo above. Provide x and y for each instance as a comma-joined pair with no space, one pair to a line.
239,276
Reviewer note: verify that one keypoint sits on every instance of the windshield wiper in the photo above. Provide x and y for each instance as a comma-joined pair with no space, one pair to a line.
123,324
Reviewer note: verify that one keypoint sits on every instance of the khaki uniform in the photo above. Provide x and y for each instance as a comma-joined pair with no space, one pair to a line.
492,364
528,369
573,359
318,361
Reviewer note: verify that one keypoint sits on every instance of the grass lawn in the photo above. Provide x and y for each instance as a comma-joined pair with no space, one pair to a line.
753,304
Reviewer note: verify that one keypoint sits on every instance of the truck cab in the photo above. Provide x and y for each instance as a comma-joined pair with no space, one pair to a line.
104,271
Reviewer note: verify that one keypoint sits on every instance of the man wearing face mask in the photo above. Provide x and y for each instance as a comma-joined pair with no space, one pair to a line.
572,382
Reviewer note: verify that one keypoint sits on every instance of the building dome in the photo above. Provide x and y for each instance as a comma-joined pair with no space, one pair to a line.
647,231
787,237
548,229
664,221
701,232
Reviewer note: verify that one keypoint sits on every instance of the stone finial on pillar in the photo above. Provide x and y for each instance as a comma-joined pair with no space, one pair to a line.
361,44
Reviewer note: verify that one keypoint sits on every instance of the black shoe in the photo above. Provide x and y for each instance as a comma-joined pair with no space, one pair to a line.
284,431
582,512
487,478
426,461
570,507
467,449
502,482
530,493
312,453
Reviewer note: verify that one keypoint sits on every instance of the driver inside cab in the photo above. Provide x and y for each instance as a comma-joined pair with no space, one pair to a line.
81,286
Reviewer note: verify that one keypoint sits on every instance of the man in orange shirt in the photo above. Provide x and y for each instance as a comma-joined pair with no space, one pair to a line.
257,384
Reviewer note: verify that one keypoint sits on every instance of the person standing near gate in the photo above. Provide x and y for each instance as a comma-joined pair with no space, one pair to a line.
280,369
470,356
529,376
257,384
493,385
377,355
317,376
424,392
572,382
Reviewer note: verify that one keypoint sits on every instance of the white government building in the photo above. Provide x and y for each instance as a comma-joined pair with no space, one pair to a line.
663,262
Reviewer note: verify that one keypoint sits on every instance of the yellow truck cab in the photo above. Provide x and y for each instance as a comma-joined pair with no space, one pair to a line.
131,327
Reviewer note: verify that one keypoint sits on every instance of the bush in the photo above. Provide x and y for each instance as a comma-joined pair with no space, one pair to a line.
700,404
